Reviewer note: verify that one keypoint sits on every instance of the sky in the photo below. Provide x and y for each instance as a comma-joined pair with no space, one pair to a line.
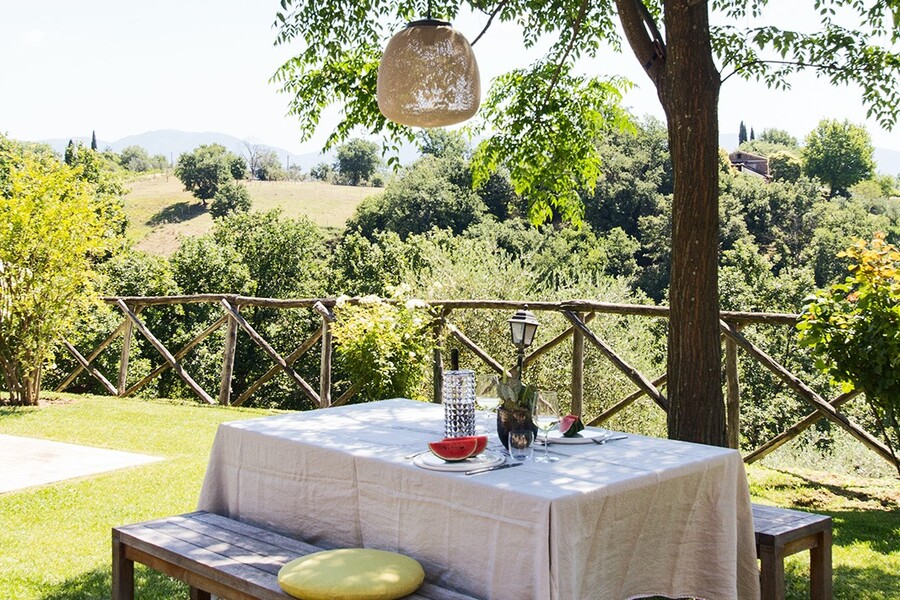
123,67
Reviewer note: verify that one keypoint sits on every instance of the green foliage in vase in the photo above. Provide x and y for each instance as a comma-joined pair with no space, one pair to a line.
517,396
383,347
853,328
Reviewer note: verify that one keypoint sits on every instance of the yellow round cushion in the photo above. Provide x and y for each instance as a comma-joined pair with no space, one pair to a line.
351,574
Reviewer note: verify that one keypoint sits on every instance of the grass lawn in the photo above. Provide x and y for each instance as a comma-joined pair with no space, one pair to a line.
160,212
55,539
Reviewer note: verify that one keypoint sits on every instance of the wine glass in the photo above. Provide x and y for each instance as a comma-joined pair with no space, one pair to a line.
546,417
487,394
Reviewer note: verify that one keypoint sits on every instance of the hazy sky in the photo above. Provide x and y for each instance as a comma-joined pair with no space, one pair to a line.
123,67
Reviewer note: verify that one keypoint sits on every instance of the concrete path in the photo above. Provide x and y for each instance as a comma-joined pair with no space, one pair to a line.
27,462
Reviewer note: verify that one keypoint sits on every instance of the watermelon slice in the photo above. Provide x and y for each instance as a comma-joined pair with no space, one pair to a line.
454,449
482,443
570,425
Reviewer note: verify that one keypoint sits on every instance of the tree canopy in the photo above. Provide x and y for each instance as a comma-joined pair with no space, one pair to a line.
206,168
55,226
839,154
542,119
357,160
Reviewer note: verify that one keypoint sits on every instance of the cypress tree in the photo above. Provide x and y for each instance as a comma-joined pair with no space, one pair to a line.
742,134
71,153
752,135
93,140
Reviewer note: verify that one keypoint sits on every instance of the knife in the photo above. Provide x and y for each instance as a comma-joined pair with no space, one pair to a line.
494,468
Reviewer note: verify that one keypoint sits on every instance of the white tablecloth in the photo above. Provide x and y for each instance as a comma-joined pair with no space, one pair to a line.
631,518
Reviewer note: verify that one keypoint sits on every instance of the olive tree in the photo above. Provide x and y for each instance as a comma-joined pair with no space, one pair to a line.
206,168
52,229
542,120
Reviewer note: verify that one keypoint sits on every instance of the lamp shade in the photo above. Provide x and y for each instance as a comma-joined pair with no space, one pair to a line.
428,76
522,327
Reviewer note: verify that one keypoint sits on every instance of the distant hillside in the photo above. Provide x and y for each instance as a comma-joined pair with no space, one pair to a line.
161,214
172,142
888,161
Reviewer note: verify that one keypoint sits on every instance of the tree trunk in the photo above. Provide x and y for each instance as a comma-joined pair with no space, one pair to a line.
687,83
690,94
24,387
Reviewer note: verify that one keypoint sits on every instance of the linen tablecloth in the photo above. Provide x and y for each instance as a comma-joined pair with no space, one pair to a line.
631,518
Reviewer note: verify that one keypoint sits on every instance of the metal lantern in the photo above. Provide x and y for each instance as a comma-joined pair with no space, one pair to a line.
428,76
522,326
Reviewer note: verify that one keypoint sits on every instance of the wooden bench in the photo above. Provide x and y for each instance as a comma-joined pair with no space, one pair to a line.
216,555
781,532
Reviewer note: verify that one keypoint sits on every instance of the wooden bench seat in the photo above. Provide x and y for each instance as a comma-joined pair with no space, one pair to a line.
217,555
781,532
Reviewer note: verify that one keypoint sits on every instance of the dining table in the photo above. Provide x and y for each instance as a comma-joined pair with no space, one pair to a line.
631,518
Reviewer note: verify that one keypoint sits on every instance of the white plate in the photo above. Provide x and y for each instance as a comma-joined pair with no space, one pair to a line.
488,458
585,436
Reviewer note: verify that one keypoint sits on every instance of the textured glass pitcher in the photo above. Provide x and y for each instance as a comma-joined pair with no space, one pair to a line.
459,403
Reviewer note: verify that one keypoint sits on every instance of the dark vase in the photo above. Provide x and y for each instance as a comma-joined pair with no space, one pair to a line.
513,420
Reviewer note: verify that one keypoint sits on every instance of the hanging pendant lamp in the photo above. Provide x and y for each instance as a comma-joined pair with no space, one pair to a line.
428,76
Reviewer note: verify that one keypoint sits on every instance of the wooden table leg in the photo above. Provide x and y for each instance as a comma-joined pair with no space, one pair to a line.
122,572
771,573
820,567
199,594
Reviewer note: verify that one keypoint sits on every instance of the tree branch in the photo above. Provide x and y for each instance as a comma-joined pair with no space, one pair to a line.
795,63
647,45
490,20
576,29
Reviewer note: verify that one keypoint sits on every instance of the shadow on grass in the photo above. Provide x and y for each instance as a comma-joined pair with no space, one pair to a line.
177,213
850,583
96,585
875,528
8,411
836,490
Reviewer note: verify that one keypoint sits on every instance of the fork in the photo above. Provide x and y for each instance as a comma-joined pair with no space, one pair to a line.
611,438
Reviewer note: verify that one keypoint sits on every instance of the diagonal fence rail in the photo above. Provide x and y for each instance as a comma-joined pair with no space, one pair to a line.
578,313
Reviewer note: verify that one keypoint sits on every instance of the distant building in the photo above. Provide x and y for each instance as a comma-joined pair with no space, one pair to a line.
751,164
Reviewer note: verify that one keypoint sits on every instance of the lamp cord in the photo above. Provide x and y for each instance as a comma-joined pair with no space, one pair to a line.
428,11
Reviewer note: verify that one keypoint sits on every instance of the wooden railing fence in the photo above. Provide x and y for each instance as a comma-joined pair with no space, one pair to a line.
579,314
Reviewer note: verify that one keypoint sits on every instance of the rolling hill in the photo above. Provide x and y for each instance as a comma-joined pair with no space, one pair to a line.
161,213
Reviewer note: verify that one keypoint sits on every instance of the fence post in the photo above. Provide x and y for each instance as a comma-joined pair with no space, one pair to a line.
438,359
732,394
228,357
577,368
327,351
126,352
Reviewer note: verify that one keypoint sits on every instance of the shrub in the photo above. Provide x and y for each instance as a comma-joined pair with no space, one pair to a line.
52,230
853,328
230,197
383,347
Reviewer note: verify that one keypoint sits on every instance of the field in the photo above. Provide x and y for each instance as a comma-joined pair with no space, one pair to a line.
160,212
54,539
